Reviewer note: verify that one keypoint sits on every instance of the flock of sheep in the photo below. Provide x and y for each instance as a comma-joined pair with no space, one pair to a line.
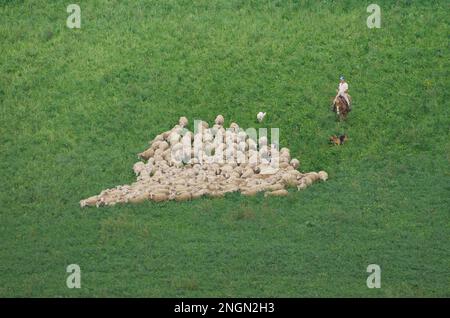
220,161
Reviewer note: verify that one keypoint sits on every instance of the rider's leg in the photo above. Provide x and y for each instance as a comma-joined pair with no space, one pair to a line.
337,96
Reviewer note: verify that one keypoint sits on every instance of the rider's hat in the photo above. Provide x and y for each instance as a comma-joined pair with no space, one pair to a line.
341,78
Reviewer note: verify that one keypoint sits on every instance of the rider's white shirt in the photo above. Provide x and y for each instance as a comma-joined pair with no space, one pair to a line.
342,88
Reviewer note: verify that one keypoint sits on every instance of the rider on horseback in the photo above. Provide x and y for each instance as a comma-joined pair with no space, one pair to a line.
343,91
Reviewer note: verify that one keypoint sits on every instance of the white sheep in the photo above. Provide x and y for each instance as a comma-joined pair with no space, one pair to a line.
183,122
323,175
219,120
295,163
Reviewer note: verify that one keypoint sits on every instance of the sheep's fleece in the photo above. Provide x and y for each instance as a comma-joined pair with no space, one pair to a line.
162,177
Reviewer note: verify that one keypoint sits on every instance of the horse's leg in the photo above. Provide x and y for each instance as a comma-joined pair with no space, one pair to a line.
342,111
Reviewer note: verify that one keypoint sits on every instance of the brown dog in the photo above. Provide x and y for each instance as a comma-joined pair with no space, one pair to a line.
338,140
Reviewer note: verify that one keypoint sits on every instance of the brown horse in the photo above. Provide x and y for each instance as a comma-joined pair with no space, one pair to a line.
341,108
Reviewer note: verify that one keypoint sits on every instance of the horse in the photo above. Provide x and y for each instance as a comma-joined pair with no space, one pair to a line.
340,107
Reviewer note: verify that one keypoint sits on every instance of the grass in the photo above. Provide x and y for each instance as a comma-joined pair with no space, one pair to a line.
77,105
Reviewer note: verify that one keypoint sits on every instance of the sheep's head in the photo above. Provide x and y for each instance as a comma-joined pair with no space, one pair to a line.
219,120
183,121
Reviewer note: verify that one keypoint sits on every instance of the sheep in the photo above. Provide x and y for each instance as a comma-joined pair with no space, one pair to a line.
275,187
263,141
242,146
289,180
268,170
285,155
234,127
159,138
230,188
253,158
184,196
208,137
277,193
183,121
198,194
313,175
139,198
247,173
166,134
307,180
212,187
219,120
283,165
204,124
234,175
295,163
89,201
147,154
174,138
274,162
250,192
241,136
252,145
138,167
186,139
323,175
241,157
159,197
264,154
217,194
163,145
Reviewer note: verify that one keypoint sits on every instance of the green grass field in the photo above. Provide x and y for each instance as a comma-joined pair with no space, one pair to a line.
78,104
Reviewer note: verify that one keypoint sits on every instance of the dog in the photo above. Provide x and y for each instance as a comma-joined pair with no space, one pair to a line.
335,140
